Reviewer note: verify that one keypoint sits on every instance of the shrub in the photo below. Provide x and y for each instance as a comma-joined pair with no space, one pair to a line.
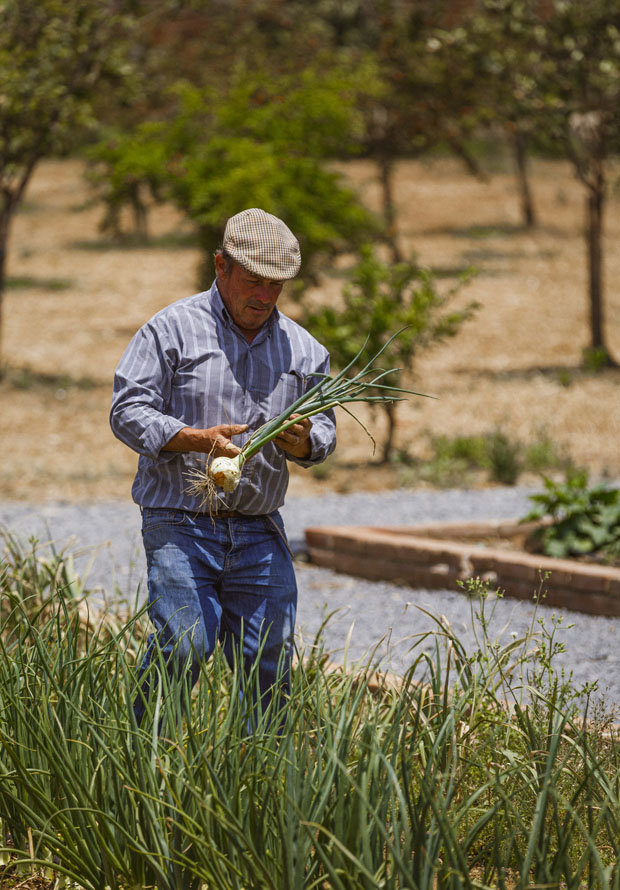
583,520
379,299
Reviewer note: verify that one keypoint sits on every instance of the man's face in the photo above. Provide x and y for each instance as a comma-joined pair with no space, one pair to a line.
249,299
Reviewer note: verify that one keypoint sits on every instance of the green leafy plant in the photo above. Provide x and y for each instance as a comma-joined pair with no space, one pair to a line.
584,520
543,454
381,298
33,580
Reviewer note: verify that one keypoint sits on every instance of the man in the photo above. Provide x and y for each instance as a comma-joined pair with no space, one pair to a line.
204,371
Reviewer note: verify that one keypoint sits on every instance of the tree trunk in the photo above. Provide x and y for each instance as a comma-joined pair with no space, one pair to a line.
471,164
386,171
388,444
586,145
594,211
519,145
5,222
9,202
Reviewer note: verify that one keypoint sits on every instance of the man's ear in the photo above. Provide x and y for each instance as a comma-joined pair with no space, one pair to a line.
221,266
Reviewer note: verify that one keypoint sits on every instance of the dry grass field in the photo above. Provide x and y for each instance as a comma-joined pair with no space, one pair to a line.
75,299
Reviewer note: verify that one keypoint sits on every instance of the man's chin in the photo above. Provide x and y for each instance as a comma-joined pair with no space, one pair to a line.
255,320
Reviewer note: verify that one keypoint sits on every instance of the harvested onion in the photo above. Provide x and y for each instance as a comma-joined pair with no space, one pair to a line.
226,471
369,385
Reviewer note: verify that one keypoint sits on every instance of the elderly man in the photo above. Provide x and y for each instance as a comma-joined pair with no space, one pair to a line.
204,371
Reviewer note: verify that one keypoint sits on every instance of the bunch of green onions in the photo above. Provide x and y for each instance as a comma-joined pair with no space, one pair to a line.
368,385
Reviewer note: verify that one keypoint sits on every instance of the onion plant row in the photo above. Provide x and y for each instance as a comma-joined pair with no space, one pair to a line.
452,782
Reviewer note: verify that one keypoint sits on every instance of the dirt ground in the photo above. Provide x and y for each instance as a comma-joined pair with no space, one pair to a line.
75,299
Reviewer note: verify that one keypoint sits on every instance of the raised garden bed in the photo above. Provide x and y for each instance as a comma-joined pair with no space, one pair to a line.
443,555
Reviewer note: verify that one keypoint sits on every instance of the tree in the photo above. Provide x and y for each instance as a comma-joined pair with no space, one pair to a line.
261,140
57,57
497,48
581,81
421,99
380,299
413,100
404,104
550,70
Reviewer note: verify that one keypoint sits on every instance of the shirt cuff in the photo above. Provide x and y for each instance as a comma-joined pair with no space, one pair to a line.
319,450
157,435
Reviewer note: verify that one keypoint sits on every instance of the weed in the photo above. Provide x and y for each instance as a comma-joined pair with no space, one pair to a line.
595,359
565,378
504,458
543,455
50,284
27,378
455,461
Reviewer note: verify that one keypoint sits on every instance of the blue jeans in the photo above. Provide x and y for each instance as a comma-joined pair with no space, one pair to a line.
219,580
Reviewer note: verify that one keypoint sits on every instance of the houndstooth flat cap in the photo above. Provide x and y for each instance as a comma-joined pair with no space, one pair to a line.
262,244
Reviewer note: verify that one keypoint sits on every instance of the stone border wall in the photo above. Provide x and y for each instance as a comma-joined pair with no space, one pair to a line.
440,555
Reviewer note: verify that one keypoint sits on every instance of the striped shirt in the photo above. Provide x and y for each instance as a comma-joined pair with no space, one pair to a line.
190,366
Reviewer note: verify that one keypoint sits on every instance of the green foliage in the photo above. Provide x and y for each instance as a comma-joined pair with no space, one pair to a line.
504,458
46,284
382,298
556,71
596,358
534,65
127,172
263,140
543,454
583,520
34,581
29,583
455,461
59,61
55,58
431,782
583,63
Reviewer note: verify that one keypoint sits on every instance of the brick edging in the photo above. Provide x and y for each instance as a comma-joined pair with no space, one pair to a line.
426,556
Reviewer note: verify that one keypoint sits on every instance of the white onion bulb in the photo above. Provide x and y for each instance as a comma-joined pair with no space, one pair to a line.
226,472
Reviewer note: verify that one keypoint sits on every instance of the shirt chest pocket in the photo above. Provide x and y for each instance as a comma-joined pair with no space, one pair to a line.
274,389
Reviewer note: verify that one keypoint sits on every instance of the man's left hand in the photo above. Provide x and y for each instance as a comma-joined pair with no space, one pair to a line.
296,439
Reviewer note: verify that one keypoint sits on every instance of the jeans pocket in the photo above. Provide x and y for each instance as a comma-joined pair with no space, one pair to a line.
275,526
161,517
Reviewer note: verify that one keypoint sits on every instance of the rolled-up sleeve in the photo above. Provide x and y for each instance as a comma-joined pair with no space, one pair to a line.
142,387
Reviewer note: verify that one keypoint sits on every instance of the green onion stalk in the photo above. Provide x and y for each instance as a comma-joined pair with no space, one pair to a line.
369,385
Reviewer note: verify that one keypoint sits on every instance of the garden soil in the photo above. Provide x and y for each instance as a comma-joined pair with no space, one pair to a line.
75,297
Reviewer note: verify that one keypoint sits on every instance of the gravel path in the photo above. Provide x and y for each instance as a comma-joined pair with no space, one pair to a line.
105,538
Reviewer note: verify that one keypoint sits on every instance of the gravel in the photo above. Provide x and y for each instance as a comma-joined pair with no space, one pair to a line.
377,617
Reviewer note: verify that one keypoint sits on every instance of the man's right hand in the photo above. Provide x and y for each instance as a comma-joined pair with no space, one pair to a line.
214,441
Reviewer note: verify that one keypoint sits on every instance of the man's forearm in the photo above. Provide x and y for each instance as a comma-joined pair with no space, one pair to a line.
214,440
187,439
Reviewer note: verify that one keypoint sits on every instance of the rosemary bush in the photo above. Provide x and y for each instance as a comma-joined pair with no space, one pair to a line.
460,781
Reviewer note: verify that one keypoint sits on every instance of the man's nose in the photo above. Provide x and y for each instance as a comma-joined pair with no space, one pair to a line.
265,294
